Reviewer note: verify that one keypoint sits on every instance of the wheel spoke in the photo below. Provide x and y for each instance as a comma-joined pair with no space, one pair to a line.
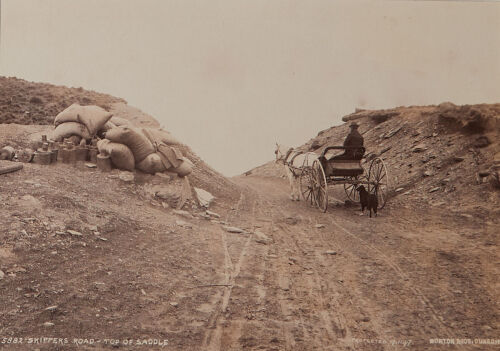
378,180
379,171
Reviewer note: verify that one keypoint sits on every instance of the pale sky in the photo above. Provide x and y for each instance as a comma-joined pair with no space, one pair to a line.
232,77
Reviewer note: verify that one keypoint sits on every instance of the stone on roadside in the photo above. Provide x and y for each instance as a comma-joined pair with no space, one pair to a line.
434,189
319,226
428,173
90,165
125,176
291,220
233,229
183,224
74,232
261,238
183,213
212,214
482,141
204,215
419,148
204,197
331,252
48,324
171,197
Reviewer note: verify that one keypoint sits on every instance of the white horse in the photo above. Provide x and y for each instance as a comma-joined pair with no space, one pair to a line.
294,161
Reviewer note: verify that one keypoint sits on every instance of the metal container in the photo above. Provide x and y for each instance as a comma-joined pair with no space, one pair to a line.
93,154
104,163
42,157
68,153
72,155
61,154
39,143
81,153
54,150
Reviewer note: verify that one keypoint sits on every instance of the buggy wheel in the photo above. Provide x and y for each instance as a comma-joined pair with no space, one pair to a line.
320,187
305,186
378,181
350,189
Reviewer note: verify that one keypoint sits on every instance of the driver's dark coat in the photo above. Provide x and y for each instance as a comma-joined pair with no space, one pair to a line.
353,139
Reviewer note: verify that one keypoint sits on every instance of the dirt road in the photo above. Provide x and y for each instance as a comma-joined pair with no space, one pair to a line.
339,281
296,279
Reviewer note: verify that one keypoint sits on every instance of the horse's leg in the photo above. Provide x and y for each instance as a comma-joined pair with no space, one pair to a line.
296,189
290,180
292,186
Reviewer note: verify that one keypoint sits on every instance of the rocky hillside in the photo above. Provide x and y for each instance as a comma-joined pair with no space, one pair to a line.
444,156
24,102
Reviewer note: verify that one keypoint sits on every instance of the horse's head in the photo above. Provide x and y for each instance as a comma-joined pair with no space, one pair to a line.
280,153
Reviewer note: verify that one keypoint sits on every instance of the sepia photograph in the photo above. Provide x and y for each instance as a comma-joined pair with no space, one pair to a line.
227,175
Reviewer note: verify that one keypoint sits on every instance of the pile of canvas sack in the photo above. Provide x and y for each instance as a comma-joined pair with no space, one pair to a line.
147,149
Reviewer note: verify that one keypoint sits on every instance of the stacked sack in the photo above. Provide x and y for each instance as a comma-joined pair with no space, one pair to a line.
120,154
152,150
128,147
79,122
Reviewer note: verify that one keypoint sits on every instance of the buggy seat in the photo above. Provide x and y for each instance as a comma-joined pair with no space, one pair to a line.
342,166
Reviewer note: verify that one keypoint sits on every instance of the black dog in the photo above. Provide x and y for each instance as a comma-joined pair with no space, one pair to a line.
367,200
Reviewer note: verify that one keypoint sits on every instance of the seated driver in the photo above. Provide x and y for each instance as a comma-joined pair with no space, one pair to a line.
355,141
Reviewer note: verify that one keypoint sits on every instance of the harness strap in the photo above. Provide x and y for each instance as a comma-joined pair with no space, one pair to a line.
290,150
296,154
290,163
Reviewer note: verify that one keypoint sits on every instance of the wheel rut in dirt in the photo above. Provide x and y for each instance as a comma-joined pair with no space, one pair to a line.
376,285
